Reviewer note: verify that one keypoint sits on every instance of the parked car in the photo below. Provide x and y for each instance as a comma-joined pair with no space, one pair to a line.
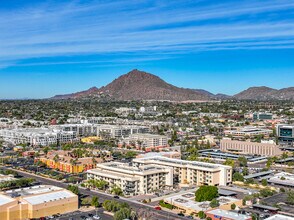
157,207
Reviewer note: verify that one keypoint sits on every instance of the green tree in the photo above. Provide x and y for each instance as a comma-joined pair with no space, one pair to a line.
229,162
290,197
95,201
116,190
206,193
238,177
242,161
233,206
201,215
264,182
122,214
214,203
74,189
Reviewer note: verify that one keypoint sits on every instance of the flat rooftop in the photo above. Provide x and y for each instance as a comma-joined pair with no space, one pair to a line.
260,174
229,214
283,178
184,162
5,199
28,191
280,217
187,200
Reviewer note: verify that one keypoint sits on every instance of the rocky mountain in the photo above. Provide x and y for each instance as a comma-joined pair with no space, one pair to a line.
139,85
263,93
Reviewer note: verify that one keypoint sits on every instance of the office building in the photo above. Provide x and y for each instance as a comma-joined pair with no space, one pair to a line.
253,148
285,134
262,116
145,142
248,132
133,180
36,202
192,172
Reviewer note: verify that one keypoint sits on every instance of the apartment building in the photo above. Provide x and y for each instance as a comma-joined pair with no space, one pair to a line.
248,132
285,134
246,147
36,202
120,131
37,136
133,180
80,130
192,172
65,161
146,142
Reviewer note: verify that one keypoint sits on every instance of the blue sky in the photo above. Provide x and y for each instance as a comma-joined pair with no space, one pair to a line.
57,47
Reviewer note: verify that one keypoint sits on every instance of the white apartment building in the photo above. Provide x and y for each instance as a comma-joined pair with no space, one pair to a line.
37,136
145,141
80,130
133,180
120,131
192,172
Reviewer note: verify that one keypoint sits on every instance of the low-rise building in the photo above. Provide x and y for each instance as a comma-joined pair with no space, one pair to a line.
282,179
147,142
36,202
192,172
133,180
246,147
186,203
218,214
248,132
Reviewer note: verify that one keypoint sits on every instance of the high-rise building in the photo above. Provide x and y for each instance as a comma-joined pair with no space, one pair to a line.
285,134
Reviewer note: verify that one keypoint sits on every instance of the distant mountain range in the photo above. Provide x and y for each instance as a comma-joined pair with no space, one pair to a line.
139,85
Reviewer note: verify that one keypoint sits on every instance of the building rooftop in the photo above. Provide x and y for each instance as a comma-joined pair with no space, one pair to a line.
279,217
187,200
49,197
228,214
5,199
283,178
260,174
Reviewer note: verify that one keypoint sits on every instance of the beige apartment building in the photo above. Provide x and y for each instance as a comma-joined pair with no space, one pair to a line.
133,180
192,172
246,147
36,202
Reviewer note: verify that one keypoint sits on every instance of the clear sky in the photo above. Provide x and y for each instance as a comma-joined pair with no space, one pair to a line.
58,47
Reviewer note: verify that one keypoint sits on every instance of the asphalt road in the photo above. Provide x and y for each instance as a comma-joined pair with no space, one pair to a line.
146,210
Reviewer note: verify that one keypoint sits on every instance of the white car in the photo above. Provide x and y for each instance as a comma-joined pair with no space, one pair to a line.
96,217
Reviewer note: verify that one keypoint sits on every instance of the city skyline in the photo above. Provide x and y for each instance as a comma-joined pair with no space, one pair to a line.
60,47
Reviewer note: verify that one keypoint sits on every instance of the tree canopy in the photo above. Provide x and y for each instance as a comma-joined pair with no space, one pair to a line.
206,193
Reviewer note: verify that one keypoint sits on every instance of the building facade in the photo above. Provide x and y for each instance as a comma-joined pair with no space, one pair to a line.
246,147
37,136
262,116
192,172
147,142
285,134
36,202
133,180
